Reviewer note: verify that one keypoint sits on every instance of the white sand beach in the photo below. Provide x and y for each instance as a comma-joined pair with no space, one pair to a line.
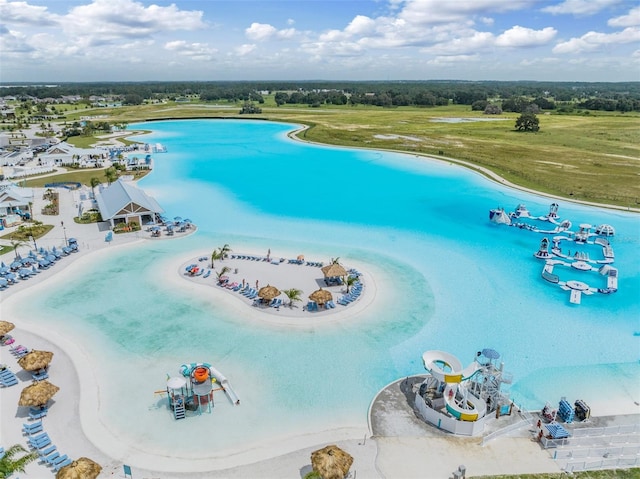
77,431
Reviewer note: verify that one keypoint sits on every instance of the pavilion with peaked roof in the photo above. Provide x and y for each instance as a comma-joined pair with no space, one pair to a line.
122,202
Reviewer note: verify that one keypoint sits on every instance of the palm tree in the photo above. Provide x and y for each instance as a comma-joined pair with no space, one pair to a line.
293,294
350,281
9,465
215,255
15,244
222,272
224,251
94,182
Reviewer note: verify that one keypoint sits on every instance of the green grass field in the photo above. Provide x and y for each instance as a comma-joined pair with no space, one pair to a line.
591,157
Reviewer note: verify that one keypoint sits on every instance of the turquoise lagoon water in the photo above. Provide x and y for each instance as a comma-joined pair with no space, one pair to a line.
454,282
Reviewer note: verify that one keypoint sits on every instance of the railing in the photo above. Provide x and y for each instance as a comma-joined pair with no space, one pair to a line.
526,419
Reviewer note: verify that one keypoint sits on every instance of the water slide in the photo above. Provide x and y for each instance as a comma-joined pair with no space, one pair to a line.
447,368
224,382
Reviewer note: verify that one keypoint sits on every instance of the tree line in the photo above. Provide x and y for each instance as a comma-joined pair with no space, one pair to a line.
563,96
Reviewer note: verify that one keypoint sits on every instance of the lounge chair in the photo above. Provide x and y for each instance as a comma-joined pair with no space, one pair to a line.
34,414
64,463
46,452
40,376
31,425
48,460
34,430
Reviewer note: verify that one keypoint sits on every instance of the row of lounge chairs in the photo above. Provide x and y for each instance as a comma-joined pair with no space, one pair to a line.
24,268
249,293
352,296
40,442
313,306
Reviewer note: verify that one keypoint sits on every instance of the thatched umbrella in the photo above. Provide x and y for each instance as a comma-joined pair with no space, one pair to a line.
331,462
37,394
83,468
333,270
321,296
35,360
5,327
268,292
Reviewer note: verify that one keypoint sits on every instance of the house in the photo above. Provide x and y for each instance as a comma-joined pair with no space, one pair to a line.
122,202
14,203
64,154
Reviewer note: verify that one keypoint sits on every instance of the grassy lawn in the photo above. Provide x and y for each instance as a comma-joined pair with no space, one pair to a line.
80,176
609,474
592,157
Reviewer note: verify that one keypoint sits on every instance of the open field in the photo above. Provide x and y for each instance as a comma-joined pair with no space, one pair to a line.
588,157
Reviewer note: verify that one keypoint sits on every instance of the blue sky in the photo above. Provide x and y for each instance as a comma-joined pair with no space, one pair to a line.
140,40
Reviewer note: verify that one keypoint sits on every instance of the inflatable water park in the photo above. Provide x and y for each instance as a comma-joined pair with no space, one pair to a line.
460,399
191,393
588,251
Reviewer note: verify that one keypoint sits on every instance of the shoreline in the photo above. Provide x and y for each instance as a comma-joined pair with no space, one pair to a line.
481,170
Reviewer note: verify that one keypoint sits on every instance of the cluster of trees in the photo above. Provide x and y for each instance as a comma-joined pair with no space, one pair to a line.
87,128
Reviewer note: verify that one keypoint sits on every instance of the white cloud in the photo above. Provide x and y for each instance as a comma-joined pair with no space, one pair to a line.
468,43
361,25
264,31
487,20
448,60
518,36
21,13
13,43
632,19
104,21
245,49
438,11
260,31
195,51
594,40
579,7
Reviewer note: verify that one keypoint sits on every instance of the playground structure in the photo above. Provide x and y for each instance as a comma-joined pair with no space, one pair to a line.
193,390
458,399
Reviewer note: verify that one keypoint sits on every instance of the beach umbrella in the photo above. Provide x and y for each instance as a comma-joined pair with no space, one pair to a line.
11,277
35,360
5,327
37,394
187,220
321,296
4,270
331,462
2,265
333,270
268,292
83,468
177,219
3,282
34,270
15,265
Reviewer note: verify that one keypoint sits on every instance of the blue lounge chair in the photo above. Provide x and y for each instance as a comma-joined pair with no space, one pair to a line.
33,430
27,426
44,453
38,414
40,376
60,459
48,460
64,463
